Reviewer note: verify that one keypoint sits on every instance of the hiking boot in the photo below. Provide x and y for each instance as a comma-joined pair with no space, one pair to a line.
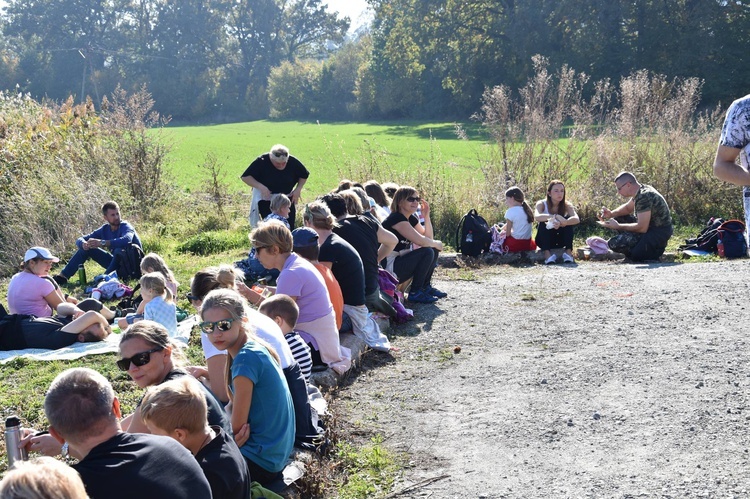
60,279
435,292
568,259
552,259
420,296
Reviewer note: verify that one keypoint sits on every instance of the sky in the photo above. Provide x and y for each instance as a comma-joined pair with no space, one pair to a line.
351,8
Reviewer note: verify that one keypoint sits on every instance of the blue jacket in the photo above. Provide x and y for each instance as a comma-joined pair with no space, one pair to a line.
124,235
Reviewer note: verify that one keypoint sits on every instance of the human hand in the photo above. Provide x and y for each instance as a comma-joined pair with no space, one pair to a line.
294,196
243,435
197,371
605,213
438,245
44,443
425,208
265,193
609,224
78,313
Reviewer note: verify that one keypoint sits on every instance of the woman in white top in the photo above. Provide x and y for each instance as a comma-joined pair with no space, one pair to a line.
562,216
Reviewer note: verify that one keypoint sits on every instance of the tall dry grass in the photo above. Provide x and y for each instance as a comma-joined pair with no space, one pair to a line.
648,125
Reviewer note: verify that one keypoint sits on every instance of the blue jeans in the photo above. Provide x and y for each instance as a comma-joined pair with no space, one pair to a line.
103,258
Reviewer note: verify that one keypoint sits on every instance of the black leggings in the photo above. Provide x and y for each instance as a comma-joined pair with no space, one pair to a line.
547,239
418,264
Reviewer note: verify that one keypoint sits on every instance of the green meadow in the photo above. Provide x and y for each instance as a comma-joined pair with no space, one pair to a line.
329,150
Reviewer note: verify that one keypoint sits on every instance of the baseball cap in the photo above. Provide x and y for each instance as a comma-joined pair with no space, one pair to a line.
304,237
39,252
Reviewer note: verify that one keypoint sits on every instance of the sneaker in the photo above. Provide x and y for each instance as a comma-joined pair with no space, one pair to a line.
420,296
551,259
568,259
435,292
60,279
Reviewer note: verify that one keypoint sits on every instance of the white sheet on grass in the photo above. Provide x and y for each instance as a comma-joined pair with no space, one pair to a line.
78,350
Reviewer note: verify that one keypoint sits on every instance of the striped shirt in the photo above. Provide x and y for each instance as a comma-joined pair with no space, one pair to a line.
301,353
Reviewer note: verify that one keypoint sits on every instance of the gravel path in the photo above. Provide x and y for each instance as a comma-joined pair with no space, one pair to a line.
593,380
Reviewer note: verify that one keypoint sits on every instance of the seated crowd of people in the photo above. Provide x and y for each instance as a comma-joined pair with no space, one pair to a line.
239,416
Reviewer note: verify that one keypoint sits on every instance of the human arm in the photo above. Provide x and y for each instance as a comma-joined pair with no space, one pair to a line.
641,226
426,230
134,423
387,240
624,209
241,402
295,194
726,168
265,193
85,321
41,442
539,214
406,230
216,367
573,218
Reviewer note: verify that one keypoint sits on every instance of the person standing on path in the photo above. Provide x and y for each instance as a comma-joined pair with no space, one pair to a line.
733,142
276,172
644,222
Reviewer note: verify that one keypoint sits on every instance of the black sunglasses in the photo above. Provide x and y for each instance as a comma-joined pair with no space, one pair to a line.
413,199
138,360
192,297
280,154
223,325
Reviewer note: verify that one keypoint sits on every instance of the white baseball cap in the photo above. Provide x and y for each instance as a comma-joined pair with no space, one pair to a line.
39,252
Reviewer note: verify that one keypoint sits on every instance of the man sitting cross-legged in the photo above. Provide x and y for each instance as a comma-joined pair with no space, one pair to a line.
84,413
103,244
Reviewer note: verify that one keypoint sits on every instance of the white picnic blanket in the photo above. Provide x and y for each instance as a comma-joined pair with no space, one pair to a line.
78,350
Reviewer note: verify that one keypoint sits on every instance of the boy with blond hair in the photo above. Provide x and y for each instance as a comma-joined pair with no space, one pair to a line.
178,409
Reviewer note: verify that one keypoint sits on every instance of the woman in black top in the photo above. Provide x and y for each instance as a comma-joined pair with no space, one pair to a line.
405,261
276,172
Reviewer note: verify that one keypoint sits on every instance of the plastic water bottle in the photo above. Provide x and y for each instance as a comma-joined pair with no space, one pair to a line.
12,439
82,275
720,248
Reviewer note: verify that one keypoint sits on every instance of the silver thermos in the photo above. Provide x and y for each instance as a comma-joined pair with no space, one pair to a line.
12,439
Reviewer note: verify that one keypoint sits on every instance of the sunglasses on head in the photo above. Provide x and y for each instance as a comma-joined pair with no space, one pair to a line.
192,297
223,325
414,199
280,155
138,360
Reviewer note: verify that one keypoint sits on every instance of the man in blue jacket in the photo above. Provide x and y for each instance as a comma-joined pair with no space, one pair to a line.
103,244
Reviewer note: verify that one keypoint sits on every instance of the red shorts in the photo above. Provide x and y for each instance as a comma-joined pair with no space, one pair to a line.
514,245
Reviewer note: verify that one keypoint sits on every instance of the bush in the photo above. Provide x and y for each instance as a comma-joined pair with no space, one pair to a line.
61,162
208,243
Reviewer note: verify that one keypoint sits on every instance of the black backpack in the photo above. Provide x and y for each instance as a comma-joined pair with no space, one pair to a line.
732,236
473,234
129,262
707,239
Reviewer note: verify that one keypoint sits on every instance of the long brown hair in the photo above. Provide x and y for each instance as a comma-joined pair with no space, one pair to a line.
562,208
517,194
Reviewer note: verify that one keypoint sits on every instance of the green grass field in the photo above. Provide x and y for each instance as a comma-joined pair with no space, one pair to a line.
328,150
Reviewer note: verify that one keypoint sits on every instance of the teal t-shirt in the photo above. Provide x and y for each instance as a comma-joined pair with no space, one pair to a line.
271,415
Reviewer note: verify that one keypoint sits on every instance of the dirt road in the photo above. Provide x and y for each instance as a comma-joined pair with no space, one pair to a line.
594,380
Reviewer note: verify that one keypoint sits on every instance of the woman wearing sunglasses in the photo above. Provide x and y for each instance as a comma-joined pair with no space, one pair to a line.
262,412
406,262
150,358
307,434
276,172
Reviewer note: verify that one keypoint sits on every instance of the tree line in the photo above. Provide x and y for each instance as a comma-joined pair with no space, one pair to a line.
250,59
